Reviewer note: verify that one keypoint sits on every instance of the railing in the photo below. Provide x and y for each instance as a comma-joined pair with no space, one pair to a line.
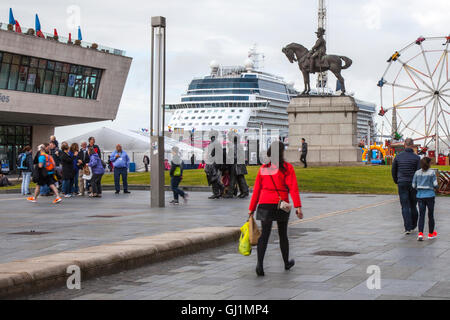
62,39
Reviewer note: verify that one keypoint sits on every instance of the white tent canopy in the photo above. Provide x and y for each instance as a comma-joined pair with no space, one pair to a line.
135,144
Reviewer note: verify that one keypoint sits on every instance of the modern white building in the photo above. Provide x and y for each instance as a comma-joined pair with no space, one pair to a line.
45,83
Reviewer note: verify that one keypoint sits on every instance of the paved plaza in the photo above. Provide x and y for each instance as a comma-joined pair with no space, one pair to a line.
369,226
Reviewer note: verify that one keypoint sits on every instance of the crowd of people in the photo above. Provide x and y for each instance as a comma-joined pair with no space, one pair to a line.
226,173
69,170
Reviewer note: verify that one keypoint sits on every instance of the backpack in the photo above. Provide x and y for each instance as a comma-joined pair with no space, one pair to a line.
21,162
49,162
177,172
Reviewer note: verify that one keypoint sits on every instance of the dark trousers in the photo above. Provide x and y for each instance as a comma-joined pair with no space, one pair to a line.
240,181
423,205
217,188
121,172
174,183
67,186
146,167
303,159
408,202
264,239
96,183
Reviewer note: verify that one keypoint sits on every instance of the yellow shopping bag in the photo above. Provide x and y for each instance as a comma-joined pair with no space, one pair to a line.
245,248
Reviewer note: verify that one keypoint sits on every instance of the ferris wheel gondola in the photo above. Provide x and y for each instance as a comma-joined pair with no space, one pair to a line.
417,81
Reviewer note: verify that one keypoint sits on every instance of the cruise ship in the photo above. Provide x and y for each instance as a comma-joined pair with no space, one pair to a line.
244,99
241,99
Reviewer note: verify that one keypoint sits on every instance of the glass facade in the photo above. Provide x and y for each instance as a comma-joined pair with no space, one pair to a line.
12,140
30,74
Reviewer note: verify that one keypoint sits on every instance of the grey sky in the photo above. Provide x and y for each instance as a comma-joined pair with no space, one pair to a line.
202,30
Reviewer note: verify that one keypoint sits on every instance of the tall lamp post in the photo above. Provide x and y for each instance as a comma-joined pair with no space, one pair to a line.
157,102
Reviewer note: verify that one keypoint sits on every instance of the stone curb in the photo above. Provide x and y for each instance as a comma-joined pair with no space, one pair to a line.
23,277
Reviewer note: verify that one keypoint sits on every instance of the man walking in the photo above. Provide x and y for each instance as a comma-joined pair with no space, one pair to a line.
45,174
121,161
404,167
303,152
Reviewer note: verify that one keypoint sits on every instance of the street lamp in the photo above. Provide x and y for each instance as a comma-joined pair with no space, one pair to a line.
157,102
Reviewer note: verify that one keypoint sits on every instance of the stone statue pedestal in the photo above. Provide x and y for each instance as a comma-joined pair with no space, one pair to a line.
328,123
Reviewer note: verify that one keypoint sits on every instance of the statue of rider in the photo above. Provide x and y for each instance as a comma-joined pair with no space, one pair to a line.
318,51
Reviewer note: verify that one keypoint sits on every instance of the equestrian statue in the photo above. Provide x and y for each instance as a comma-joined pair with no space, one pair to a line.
317,60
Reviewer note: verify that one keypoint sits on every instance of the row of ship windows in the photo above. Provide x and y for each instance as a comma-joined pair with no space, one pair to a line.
264,93
206,117
209,111
203,124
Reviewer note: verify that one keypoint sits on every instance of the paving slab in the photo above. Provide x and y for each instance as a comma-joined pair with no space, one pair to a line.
371,227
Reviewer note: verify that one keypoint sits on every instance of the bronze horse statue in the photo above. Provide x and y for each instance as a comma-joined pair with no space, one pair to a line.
333,63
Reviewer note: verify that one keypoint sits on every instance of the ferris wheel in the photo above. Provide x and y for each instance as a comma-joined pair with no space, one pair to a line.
415,89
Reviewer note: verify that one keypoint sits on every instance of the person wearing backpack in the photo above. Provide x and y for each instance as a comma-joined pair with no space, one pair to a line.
176,175
44,174
26,167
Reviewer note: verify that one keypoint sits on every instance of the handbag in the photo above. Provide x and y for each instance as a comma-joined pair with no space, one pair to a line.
255,233
282,205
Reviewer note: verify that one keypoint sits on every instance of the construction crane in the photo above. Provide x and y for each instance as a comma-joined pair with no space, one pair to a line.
322,78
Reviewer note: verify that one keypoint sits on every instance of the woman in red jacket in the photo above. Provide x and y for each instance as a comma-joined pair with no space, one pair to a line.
274,182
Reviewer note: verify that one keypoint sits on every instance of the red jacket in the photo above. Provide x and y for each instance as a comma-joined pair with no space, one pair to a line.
264,190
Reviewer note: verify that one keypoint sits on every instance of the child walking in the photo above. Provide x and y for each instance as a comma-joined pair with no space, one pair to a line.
425,182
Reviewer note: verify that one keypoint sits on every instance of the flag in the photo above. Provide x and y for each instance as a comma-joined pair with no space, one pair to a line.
38,27
79,34
18,29
70,37
55,33
11,17
37,24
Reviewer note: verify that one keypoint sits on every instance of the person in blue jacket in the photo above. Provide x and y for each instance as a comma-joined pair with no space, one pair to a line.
96,165
121,162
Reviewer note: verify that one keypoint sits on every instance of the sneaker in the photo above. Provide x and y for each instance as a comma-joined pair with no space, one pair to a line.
57,200
432,235
127,192
407,232
32,199
174,202
67,196
420,236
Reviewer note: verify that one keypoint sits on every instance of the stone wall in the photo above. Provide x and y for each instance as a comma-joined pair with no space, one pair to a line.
329,126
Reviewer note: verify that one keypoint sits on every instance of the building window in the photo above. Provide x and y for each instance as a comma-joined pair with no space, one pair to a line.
22,73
